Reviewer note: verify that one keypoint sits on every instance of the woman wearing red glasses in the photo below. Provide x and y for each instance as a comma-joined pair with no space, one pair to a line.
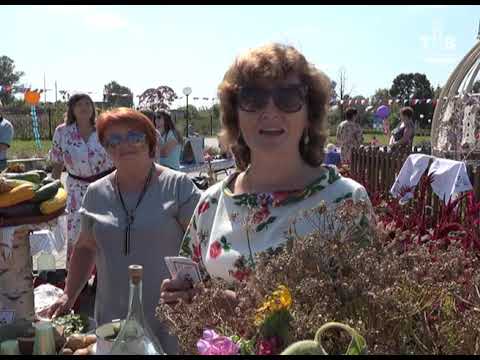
274,106
136,215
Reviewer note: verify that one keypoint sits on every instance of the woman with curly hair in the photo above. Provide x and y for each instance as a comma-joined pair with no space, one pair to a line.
273,104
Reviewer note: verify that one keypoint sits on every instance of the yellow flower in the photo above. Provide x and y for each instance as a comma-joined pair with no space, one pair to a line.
279,300
282,294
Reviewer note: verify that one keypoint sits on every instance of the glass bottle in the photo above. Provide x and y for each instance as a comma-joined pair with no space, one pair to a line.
44,339
135,336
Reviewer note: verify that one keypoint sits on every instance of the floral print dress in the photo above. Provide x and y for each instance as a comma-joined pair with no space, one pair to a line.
83,159
349,136
226,230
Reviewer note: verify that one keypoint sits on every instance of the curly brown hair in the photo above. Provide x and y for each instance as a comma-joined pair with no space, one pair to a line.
273,62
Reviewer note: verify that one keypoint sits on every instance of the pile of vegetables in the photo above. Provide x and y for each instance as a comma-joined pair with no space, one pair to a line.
79,345
31,193
72,323
73,326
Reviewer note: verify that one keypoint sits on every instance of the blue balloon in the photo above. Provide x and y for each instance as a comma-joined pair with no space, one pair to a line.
383,111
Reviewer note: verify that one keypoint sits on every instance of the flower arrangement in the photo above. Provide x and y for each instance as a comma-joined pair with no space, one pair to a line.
271,304
410,287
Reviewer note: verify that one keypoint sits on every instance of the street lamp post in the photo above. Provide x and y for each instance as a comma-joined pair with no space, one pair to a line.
187,91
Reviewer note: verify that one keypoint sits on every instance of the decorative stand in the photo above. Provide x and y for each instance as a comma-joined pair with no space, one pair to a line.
16,266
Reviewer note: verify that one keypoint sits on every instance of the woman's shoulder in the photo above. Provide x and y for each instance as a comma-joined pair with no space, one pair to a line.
171,180
61,128
332,186
102,186
345,187
216,190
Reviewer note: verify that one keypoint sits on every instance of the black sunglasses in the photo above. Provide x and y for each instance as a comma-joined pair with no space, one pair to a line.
288,98
132,137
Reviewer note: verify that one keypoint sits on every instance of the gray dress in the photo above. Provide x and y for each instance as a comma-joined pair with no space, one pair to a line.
156,232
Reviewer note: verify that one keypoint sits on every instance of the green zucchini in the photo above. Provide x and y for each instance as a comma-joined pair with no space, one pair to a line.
20,210
47,180
31,176
47,192
16,182
42,173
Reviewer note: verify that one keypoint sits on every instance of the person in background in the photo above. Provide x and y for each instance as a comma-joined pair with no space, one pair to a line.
403,134
332,157
374,141
349,135
151,115
172,140
6,136
136,215
76,147
274,107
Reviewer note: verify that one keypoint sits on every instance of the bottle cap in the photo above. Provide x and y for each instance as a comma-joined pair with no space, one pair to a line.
136,273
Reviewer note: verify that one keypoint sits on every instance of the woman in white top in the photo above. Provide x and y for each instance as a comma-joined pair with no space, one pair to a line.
172,141
274,105
76,147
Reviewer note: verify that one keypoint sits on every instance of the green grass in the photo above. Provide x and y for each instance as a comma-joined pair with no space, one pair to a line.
22,149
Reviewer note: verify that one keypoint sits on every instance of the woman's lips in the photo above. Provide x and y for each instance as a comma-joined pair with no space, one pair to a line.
271,132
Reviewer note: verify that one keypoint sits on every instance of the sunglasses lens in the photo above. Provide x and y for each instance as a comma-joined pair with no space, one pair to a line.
113,140
289,99
135,137
252,99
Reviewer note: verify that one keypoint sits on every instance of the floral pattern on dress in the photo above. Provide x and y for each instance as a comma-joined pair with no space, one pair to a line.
83,159
227,230
349,136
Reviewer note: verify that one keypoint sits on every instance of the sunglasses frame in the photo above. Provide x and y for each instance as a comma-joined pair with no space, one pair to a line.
124,139
274,94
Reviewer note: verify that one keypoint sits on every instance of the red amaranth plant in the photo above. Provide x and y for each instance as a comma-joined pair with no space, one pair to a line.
415,222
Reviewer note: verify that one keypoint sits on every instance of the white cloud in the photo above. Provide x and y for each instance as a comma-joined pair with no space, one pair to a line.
105,21
418,8
441,60
92,16
70,9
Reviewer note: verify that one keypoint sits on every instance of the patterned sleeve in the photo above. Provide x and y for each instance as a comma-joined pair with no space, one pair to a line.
195,241
191,246
56,153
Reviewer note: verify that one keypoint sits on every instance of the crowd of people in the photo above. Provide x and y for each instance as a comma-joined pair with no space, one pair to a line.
128,205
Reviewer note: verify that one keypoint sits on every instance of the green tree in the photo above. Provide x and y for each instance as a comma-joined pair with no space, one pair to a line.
116,95
8,77
381,96
410,85
193,112
159,98
437,92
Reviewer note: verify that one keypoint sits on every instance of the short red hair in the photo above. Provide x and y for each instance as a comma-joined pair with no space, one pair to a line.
131,118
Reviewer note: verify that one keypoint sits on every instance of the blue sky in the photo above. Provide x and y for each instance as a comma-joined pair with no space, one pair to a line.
85,47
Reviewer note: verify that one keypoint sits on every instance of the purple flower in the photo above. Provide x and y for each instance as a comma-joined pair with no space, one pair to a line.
213,344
